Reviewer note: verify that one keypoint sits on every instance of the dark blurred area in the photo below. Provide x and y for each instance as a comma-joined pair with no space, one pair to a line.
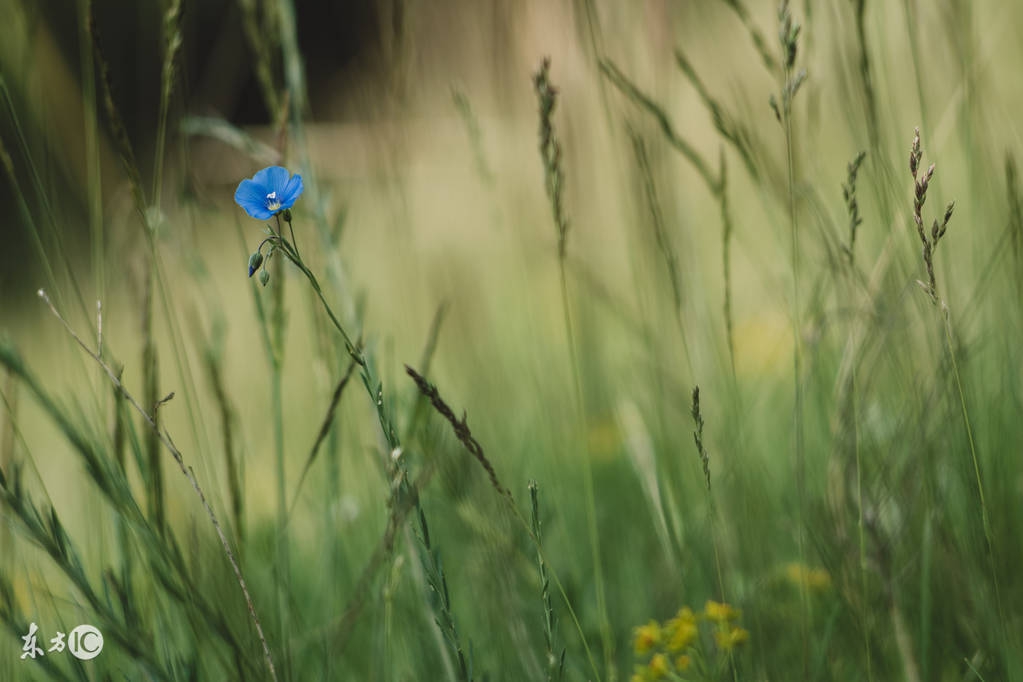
42,118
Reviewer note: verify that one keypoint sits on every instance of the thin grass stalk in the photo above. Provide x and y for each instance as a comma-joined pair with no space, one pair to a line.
660,475
430,571
9,396
550,152
472,128
321,436
165,561
425,361
627,88
705,463
423,568
54,230
660,234
404,501
754,33
588,487
664,477
861,532
845,430
149,220
866,77
185,470
427,555
788,33
718,186
926,595
1015,227
555,664
464,435
910,668
32,227
226,413
172,40
929,245
727,229
975,460
262,46
119,444
94,189
374,387
910,8
731,130
291,112
117,128
18,624
851,398
151,396
277,322
594,39
701,450
44,528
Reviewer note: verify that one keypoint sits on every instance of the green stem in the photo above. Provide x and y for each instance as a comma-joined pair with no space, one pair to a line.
797,365
860,526
985,518
588,488
277,332
292,254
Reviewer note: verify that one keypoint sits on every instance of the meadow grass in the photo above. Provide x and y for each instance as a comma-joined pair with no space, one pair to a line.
735,417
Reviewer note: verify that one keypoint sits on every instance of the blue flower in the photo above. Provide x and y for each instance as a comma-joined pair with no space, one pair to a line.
269,192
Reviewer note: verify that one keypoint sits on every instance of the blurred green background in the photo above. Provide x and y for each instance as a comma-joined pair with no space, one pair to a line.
864,512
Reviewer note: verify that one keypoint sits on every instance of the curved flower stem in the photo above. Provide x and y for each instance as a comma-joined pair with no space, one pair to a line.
292,254
280,233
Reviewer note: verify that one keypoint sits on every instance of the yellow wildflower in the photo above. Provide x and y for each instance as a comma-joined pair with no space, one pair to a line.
685,613
814,579
647,637
658,666
728,639
681,633
682,663
719,612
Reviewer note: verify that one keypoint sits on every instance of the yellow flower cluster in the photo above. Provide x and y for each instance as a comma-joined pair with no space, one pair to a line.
676,643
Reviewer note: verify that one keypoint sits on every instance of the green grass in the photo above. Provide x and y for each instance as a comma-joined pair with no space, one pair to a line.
458,434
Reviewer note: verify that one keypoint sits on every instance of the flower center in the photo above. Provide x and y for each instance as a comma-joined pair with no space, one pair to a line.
272,204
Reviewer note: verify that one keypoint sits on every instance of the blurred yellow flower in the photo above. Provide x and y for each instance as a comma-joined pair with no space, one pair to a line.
647,637
685,613
813,579
667,650
681,632
730,638
658,667
719,612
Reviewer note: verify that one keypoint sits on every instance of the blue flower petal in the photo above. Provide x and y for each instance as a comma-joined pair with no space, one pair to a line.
291,191
251,196
269,192
274,178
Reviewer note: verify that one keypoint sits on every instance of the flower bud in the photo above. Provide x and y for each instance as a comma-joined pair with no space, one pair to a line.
255,260
264,277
